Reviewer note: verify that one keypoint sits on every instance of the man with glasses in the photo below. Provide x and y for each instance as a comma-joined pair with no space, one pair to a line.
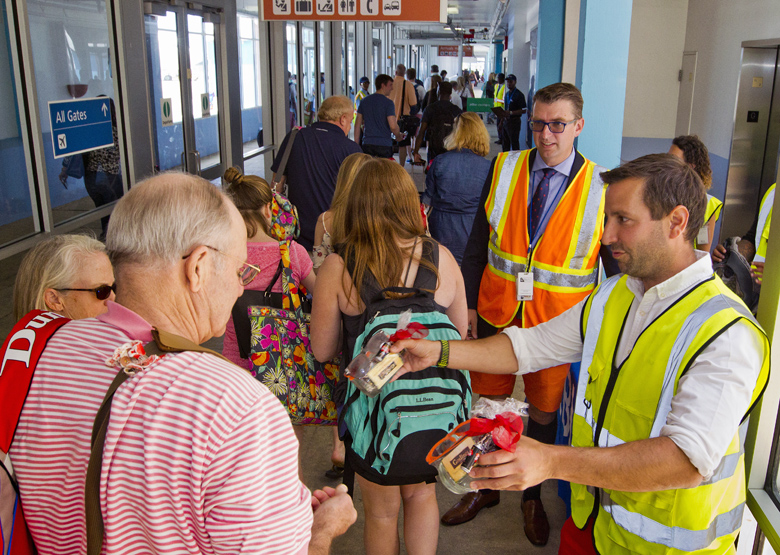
532,254
198,455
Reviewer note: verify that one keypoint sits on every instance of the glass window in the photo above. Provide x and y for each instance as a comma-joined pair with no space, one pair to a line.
322,62
250,77
72,59
16,207
310,84
291,32
351,59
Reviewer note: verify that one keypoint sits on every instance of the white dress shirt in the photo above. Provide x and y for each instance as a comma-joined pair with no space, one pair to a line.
712,397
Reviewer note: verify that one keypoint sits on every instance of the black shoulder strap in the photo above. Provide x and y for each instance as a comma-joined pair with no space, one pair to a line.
285,156
163,343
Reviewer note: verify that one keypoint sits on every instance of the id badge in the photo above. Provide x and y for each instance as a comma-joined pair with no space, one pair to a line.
703,236
525,286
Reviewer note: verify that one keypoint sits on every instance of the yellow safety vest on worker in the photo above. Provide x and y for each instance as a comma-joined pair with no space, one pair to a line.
564,260
764,219
618,404
361,94
498,99
712,210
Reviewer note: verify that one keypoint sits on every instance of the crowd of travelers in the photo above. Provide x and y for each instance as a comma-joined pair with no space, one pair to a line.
133,438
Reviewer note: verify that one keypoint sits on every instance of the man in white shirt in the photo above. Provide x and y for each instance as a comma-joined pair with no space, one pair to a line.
672,363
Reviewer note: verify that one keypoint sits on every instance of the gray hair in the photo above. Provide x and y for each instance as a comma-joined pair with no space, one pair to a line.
164,217
54,263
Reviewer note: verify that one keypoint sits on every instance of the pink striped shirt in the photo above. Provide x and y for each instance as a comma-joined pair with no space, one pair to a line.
199,457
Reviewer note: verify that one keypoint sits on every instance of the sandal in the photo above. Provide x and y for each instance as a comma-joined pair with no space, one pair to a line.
336,472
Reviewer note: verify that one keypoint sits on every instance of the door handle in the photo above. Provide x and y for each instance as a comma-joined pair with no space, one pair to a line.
197,160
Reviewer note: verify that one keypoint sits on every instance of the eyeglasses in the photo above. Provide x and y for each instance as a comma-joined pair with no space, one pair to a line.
102,292
554,126
246,273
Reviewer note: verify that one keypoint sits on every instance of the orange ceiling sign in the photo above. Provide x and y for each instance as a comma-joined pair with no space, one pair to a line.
452,50
354,10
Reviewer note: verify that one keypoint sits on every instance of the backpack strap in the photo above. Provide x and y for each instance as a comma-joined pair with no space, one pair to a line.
283,163
20,354
163,343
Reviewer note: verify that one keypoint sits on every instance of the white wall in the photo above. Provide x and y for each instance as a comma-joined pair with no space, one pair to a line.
716,29
654,60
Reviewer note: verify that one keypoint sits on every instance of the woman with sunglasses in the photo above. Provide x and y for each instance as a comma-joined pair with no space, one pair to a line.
67,274
252,196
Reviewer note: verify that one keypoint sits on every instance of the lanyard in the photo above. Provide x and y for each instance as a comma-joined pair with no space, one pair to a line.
551,205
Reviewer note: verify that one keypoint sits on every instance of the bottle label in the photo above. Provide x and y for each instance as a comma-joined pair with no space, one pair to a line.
453,461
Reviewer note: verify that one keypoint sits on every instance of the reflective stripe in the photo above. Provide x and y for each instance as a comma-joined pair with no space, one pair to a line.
589,220
726,467
685,337
547,277
673,537
763,216
598,303
503,187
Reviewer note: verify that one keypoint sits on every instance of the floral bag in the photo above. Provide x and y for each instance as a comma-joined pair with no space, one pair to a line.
284,219
282,359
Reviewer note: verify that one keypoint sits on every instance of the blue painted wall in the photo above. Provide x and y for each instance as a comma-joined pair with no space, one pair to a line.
550,42
602,62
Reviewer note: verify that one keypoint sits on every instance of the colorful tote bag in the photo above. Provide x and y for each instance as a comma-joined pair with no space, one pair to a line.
282,359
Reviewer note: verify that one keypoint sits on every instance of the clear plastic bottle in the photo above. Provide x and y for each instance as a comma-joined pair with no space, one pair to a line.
375,365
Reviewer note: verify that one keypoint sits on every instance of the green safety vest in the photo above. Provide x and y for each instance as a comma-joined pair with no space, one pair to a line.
615,405
764,219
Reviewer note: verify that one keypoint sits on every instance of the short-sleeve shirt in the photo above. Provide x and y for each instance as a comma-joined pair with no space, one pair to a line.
375,109
410,98
514,100
311,171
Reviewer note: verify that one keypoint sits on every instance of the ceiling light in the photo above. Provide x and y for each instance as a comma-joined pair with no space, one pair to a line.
453,10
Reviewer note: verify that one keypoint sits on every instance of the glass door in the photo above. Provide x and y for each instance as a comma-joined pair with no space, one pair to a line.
184,75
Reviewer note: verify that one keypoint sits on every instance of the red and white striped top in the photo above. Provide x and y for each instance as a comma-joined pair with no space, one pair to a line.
199,457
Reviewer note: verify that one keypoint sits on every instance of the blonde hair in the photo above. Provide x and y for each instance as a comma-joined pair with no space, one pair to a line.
469,132
54,263
250,194
163,217
338,206
383,210
334,107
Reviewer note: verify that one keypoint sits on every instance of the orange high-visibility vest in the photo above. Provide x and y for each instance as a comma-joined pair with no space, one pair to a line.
564,261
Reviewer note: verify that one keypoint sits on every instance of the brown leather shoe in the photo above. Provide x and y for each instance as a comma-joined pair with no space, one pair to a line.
469,505
537,528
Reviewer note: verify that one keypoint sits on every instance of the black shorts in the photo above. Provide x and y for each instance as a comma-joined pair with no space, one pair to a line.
410,132
378,151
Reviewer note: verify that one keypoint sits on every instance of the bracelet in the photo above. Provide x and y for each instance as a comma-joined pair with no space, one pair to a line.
444,357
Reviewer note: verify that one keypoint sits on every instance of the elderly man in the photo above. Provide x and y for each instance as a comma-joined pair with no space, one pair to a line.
315,159
198,456
672,363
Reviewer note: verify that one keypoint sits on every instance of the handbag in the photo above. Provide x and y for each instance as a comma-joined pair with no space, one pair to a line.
284,216
406,123
281,355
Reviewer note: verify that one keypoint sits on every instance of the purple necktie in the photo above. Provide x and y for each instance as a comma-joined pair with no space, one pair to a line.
540,197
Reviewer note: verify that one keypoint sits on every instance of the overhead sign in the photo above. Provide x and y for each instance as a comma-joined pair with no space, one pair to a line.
354,10
451,50
80,125
166,114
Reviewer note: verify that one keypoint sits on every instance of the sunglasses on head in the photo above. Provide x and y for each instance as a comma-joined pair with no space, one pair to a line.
102,292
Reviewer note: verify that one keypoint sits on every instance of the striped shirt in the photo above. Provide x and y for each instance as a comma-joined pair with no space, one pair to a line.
199,457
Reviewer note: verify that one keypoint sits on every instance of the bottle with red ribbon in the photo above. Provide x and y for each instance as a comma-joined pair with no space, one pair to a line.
496,425
375,365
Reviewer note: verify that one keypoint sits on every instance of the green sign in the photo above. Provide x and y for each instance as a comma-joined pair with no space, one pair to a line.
479,104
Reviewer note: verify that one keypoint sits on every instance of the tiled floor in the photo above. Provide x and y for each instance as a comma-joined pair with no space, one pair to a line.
497,530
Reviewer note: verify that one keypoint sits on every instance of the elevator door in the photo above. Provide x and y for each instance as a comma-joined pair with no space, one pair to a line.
754,148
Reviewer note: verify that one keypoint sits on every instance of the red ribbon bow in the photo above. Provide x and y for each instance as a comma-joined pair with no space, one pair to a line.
505,428
414,330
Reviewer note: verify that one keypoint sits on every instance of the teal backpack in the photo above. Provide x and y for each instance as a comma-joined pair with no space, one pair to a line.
392,432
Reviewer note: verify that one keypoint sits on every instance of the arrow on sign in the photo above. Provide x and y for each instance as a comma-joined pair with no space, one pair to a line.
104,109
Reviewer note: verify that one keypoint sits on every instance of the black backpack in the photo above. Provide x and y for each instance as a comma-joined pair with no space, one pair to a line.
734,270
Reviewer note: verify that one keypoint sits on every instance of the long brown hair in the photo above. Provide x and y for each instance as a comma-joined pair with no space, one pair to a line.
250,194
338,206
383,209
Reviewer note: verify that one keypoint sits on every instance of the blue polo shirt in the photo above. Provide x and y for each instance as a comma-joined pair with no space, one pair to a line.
311,171
375,109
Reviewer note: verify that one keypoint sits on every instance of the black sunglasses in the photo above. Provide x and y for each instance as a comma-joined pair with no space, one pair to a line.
102,292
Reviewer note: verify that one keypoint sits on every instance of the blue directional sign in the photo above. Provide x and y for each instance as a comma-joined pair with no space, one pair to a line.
80,125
